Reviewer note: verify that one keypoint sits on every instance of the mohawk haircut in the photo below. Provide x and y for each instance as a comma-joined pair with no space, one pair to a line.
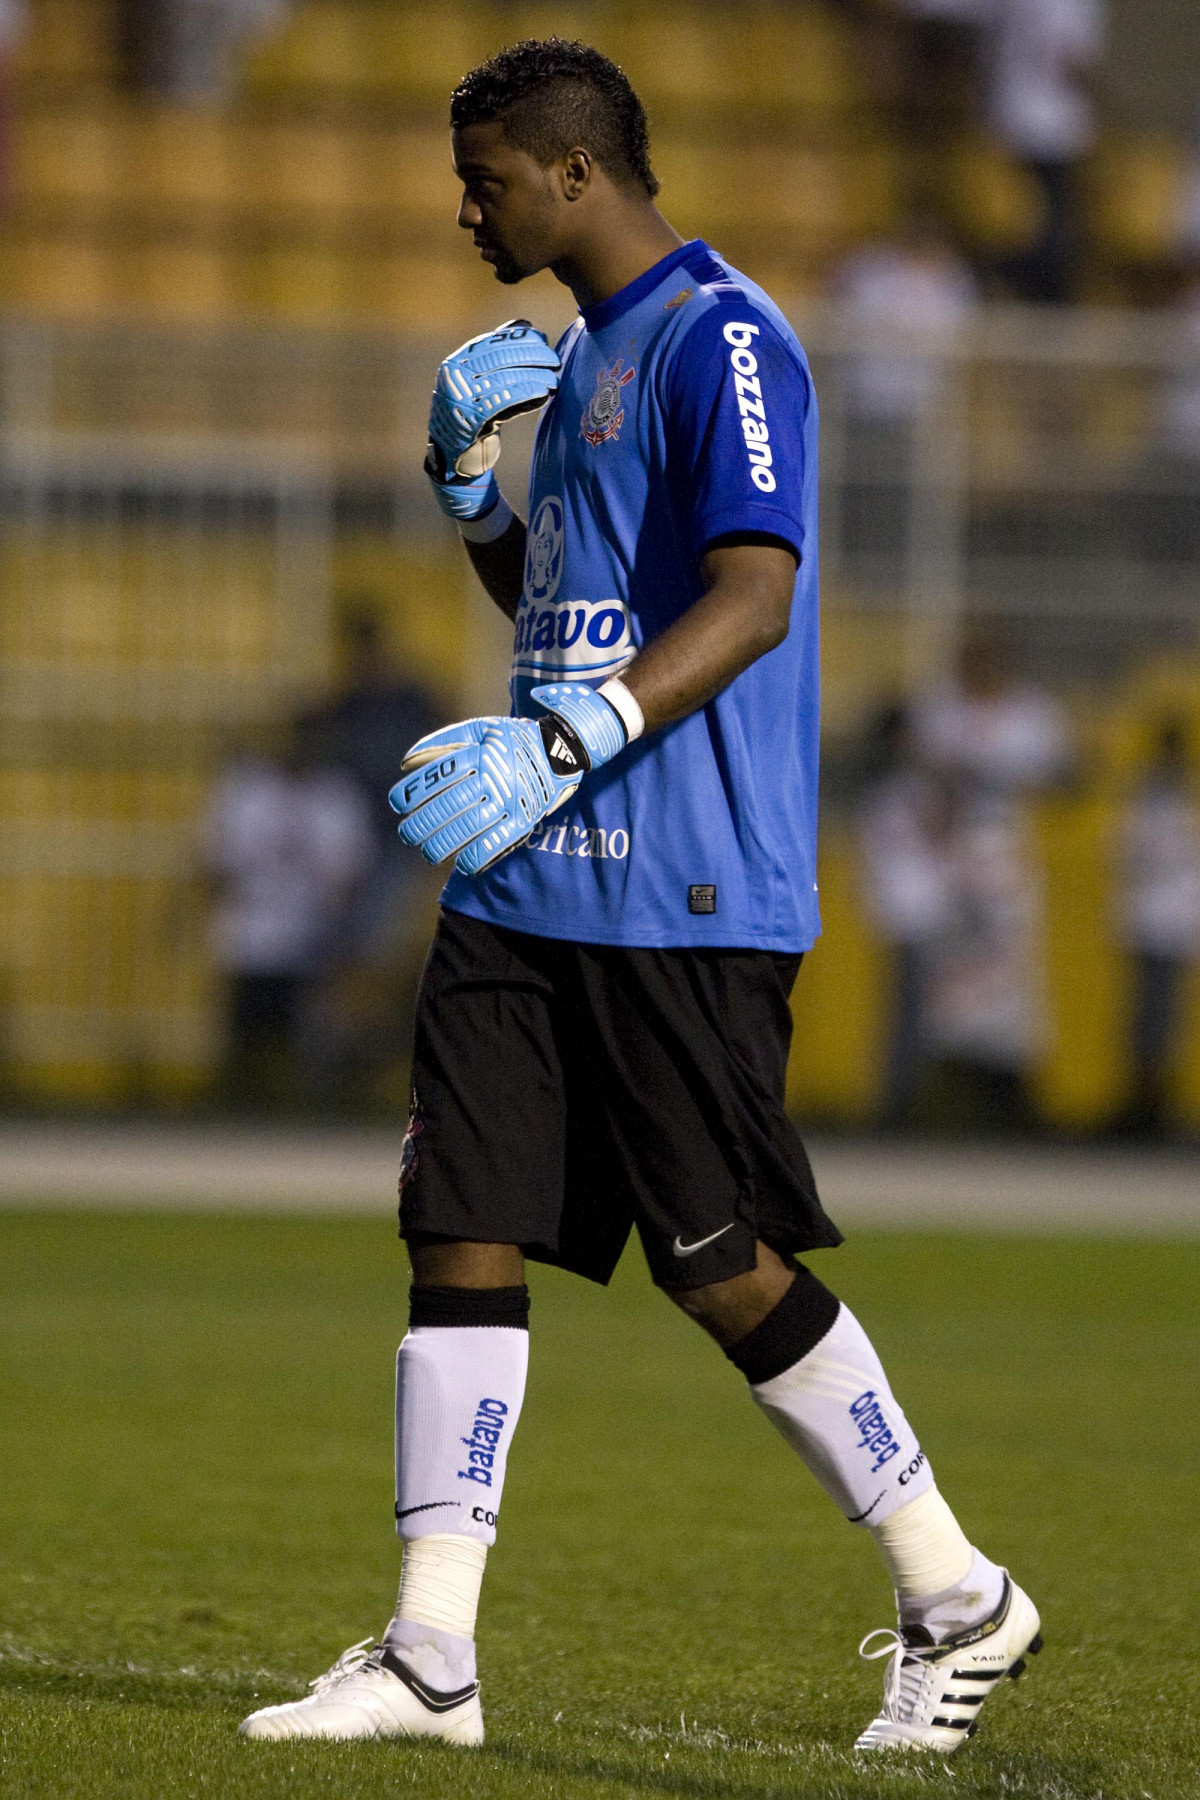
550,95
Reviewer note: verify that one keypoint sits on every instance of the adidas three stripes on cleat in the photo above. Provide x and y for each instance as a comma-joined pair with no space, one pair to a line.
933,1692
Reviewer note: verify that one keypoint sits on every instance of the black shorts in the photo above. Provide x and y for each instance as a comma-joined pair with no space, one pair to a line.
564,1092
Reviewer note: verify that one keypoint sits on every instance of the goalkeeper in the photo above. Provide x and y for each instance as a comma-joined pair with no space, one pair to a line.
603,1023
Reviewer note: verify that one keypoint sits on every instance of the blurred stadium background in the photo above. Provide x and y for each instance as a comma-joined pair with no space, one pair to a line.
229,265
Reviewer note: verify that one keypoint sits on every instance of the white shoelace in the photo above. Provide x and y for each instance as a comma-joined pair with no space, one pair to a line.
906,1674
348,1663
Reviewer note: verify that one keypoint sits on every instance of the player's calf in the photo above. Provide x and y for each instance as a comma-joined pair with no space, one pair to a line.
460,1382
963,1624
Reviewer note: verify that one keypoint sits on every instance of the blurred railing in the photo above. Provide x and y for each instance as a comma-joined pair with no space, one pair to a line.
174,504
1043,475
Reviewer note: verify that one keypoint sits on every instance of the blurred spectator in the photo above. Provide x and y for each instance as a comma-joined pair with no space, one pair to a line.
916,291
1163,496
984,1012
991,739
904,857
1189,212
185,49
908,295
1003,735
1179,434
945,48
1040,60
1160,922
376,716
284,843
14,16
378,713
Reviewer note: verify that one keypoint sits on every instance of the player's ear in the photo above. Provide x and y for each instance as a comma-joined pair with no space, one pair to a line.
575,172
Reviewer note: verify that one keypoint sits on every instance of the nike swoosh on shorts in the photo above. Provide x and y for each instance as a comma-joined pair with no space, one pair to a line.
682,1249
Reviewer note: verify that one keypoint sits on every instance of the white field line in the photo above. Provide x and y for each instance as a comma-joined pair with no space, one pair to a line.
346,1170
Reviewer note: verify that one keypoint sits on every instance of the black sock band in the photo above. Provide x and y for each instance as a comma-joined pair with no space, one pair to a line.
469,1306
793,1328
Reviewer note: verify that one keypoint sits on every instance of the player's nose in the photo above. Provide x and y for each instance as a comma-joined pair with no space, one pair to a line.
470,218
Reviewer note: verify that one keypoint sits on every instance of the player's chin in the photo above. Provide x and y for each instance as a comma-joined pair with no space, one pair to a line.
509,273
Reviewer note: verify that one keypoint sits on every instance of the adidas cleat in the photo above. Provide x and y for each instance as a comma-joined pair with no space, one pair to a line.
933,1692
371,1694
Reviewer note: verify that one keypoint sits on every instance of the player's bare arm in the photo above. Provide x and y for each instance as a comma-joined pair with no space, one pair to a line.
500,566
743,613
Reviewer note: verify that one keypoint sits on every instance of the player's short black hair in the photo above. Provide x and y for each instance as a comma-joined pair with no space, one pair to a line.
553,94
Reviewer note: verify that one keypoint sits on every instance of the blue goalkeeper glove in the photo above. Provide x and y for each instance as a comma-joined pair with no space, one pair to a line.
492,378
475,791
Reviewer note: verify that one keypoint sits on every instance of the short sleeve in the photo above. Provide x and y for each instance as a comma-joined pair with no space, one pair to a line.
736,398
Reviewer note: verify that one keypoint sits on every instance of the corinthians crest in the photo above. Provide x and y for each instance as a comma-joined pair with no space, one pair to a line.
604,414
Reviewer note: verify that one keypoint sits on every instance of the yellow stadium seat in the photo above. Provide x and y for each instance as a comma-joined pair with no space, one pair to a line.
323,47
431,294
700,191
178,281
798,196
305,283
751,57
306,167
422,52
1136,196
63,277
672,56
875,184
411,174
70,155
67,40
995,204
183,158
803,58
800,57
791,205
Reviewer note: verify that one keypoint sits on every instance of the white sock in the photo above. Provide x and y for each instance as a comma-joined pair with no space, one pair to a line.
942,1582
434,1624
838,1413
458,1398
954,1609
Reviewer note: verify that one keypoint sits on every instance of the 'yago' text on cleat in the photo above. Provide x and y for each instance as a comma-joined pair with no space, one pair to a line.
933,1693
371,1693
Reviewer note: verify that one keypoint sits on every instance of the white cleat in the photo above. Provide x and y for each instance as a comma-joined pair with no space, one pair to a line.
932,1693
369,1693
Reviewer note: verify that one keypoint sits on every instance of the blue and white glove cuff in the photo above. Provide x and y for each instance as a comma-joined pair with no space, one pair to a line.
623,703
598,726
491,526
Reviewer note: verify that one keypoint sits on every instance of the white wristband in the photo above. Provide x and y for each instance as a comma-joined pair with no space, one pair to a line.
625,707
493,525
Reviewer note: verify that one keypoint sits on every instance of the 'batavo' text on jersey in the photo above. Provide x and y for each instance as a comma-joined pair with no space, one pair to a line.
685,414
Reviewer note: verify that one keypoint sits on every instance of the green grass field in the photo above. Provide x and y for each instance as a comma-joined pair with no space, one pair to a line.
196,1498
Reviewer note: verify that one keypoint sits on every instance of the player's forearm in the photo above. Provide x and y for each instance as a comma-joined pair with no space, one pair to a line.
500,566
744,613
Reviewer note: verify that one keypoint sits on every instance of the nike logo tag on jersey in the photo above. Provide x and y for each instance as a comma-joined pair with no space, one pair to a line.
429,1506
682,1249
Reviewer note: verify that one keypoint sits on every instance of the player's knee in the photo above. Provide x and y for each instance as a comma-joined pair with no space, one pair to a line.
728,1310
454,1263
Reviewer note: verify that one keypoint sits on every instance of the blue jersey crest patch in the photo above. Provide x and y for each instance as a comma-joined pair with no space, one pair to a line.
604,415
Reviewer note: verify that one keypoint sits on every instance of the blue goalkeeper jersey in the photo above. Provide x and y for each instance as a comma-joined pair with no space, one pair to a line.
685,413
